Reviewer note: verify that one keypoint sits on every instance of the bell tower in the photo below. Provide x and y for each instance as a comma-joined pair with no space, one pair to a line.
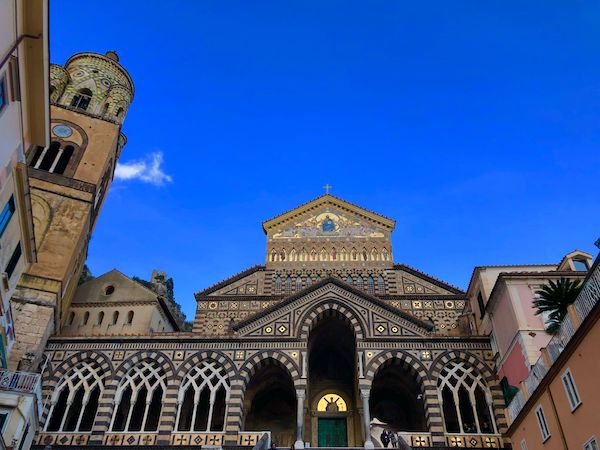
68,180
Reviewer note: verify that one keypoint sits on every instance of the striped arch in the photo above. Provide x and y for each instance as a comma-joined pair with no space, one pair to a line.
416,369
106,408
52,377
197,358
235,409
331,307
486,372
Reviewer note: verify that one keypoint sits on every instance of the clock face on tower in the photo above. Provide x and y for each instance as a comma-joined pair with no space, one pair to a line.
62,131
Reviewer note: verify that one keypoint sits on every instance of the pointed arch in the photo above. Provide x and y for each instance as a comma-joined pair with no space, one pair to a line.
313,254
324,254
293,255
312,316
344,254
374,254
354,254
370,285
365,255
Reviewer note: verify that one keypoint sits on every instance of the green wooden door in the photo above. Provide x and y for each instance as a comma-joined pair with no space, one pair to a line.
333,432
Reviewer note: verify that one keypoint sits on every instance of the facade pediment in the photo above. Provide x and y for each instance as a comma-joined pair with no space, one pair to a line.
371,317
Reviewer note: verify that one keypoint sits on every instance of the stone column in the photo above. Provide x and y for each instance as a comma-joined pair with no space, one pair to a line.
300,395
364,394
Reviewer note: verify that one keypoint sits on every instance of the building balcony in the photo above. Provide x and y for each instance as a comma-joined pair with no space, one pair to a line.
587,299
24,383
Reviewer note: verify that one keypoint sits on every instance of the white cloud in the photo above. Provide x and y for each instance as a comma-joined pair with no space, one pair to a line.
147,170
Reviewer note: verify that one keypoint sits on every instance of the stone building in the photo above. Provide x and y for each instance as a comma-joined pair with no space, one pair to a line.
329,343
68,180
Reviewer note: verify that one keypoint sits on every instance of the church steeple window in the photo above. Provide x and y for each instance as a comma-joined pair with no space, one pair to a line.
54,159
81,100
385,254
273,255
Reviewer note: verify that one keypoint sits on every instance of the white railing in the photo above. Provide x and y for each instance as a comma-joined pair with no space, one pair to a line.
26,382
584,303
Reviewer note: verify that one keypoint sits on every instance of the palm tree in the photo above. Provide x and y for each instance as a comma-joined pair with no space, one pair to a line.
554,298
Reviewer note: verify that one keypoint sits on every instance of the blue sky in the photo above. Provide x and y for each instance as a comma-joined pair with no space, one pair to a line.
474,124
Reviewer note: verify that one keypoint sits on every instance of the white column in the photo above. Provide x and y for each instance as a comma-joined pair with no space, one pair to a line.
300,395
304,364
364,394
360,365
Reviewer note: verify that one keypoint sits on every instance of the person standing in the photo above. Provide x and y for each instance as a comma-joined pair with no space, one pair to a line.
393,439
385,438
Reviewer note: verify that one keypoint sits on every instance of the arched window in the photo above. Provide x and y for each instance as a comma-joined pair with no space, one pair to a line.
129,317
288,285
365,255
62,161
381,285
52,89
53,159
385,254
105,108
298,284
283,254
86,317
309,281
333,254
139,398
313,255
349,280
75,399
277,284
100,318
323,254
344,254
370,285
354,254
466,400
359,282
115,317
81,100
273,255
303,255
374,255
71,317
293,255
202,398
119,112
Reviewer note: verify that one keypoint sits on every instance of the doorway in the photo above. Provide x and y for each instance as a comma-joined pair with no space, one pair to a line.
333,432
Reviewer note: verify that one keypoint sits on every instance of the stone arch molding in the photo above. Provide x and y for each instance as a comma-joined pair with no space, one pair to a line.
256,361
293,316
383,359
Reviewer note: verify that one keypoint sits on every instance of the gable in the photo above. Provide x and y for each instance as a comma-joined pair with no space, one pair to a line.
375,318
247,282
124,289
306,220
410,281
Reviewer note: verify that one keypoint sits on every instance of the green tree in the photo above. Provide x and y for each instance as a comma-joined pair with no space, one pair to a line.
554,298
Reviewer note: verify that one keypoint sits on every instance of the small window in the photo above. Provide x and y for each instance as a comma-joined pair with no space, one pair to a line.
481,305
115,318
4,416
571,389
6,214
523,444
81,100
130,317
3,94
109,290
86,317
592,444
580,265
100,318
541,419
14,260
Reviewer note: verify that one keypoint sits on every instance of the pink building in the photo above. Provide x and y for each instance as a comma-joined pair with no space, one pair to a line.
501,306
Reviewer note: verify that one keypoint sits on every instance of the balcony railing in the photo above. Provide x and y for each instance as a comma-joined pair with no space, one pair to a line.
584,303
26,382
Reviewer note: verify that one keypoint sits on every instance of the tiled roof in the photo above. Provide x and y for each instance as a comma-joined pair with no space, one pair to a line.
232,279
431,279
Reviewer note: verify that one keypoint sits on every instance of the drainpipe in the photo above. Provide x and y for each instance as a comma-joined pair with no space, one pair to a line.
560,428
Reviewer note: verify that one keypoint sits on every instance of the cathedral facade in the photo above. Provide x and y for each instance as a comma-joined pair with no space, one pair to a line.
329,343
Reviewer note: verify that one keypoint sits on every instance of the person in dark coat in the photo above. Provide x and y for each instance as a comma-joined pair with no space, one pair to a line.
385,438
